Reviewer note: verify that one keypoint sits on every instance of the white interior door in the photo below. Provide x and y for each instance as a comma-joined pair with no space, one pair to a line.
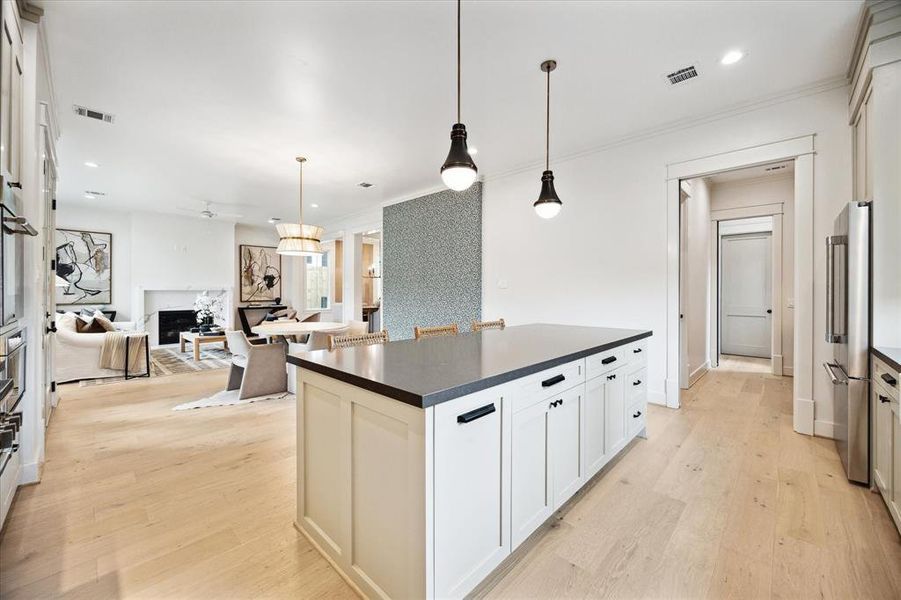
746,294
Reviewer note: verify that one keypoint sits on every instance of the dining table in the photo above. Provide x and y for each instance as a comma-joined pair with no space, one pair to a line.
293,329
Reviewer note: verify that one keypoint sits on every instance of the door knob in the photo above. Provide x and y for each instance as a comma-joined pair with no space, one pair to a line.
769,311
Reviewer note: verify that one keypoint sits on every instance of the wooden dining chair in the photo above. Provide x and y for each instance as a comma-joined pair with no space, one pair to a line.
483,325
437,331
362,339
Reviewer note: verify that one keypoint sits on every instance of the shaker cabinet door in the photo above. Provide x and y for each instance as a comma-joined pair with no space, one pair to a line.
565,443
882,443
595,429
470,512
530,487
615,416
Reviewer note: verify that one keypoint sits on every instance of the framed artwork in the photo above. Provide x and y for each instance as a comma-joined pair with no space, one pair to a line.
84,267
260,273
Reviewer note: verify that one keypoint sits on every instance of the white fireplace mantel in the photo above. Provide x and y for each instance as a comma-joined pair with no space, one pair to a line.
148,301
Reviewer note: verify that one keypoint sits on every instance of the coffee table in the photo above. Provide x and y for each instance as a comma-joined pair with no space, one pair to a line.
196,339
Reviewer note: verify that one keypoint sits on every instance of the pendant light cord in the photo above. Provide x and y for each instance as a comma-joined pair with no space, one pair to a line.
301,193
458,60
547,138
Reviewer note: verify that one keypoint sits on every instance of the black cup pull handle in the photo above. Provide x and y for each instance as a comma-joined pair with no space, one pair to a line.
883,399
611,377
637,414
553,380
478,413
636,382
636,351
608,360
889,379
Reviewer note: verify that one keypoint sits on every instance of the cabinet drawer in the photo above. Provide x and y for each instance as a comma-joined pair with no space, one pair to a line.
636,352
604,362
884,376
635,418
547,383
636,383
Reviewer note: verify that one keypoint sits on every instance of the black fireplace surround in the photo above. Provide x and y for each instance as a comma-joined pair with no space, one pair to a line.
172,322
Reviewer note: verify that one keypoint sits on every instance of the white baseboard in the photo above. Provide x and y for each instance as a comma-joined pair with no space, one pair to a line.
788,371
30,473
698,373
803,416
824,429
657,398
777,364
672,393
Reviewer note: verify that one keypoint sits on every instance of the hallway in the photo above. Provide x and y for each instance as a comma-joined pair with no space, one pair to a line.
723,499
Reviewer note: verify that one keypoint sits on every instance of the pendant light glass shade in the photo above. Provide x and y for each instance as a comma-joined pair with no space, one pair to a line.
548,204
459,171
299,239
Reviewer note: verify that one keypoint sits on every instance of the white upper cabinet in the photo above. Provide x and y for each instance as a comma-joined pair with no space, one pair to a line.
11,76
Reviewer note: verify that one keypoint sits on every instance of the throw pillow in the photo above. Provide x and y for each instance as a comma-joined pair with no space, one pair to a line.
92,326
104,322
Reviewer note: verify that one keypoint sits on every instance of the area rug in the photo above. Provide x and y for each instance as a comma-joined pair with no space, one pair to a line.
229,398
167,360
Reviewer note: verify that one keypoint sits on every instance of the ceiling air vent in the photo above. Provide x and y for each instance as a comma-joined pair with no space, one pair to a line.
776,168
364,184
93,114
93,193
682,75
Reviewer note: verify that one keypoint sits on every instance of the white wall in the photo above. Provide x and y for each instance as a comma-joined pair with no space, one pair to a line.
603,260
758,192
696,276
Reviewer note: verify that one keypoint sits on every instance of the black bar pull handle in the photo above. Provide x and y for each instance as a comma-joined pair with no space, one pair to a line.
608,360
883,399
637,414
636,382
636,351
553,380
477,413
889,379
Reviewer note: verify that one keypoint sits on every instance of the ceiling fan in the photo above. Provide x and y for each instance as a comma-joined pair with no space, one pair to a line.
208,213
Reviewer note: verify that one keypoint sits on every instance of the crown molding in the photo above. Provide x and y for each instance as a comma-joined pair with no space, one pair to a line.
811,89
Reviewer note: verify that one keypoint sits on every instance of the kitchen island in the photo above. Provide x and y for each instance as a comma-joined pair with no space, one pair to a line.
422,464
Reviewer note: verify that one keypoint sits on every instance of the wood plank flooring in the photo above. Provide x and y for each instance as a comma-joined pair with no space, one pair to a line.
723,501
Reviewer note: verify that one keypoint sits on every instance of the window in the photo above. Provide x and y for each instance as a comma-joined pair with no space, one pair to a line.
316,276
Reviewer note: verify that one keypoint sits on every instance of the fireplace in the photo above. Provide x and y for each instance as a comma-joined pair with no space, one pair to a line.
172,322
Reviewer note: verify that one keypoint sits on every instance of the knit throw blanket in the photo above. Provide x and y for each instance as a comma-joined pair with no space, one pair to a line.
112,353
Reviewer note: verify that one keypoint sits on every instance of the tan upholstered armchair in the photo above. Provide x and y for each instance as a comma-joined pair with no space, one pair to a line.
257,370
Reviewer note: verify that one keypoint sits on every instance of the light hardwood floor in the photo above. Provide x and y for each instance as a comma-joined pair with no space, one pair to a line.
723,500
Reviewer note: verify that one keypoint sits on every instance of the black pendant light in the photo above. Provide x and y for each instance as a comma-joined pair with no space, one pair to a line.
548,204
458,171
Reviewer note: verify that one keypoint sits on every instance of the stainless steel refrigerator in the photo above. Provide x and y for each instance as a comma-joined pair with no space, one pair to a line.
848,330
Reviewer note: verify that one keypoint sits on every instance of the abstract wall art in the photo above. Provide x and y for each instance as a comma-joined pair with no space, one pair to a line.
260,273
83,267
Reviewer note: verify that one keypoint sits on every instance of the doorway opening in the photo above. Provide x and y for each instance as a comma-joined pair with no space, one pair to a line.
737,272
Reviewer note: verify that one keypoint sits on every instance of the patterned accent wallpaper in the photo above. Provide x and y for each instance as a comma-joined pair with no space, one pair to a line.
432,262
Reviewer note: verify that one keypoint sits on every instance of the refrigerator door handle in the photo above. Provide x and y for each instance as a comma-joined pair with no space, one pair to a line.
831,242
830,370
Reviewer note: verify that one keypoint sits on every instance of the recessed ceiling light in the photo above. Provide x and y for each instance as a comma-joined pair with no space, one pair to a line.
314,206
93,165
731,57
90,197
274,220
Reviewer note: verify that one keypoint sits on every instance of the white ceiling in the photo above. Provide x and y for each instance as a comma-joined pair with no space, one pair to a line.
214,101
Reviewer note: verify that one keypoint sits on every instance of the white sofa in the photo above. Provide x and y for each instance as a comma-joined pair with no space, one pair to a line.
77,355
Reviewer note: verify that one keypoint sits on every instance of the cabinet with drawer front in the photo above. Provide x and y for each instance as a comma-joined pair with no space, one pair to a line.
886,431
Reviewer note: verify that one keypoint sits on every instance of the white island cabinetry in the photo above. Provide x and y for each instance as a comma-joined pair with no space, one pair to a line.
425,502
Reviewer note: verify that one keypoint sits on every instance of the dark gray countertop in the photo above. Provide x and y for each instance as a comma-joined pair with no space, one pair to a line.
890,355
430,371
